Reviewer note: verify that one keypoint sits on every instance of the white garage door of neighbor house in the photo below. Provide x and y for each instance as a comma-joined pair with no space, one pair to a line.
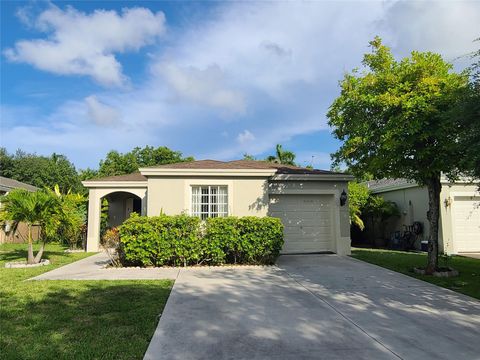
307,220
466,227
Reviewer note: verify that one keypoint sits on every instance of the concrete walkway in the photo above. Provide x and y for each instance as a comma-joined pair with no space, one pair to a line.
93,268
314,307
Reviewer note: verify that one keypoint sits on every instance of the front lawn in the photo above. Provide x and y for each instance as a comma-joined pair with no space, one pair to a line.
468,282
74,319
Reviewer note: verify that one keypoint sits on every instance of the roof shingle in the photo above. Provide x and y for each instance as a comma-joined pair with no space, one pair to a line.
136,176
7,184
242,164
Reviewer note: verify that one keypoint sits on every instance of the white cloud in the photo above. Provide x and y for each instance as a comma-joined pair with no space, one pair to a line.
271,67
245,137
101,114
201,86
445,27
85,44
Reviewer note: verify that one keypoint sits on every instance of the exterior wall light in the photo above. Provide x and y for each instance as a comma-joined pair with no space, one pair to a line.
448,202
343,198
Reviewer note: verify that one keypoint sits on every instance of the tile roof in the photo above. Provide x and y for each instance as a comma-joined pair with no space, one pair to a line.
215,164
377,185
242,164
7,184
136,176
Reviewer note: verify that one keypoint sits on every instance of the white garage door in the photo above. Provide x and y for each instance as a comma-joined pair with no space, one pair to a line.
466,227
307,220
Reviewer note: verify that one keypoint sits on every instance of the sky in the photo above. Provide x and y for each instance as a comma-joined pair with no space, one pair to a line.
211,79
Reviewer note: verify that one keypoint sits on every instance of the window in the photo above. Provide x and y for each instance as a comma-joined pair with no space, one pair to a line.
209,201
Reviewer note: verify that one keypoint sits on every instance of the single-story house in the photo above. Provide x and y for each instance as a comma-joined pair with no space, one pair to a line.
17,234
312,204
459,228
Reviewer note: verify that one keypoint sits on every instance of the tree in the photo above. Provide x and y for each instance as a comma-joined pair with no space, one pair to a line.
468,114
104,217
116,163
87,174
68,218
379,210
40,171
248,157
391,119
358,195
37,207
282,156
150,156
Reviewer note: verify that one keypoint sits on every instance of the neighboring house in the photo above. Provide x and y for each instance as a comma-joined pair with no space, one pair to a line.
9,233
307,201
459,228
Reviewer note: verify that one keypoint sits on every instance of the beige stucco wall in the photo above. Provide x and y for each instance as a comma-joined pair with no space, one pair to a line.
413,205
172,195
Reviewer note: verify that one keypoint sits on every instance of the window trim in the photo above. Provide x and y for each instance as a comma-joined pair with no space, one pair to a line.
209,212
187,188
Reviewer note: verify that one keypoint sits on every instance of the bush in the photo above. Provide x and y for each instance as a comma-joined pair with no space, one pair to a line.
247,240
111,243
184,240
111,238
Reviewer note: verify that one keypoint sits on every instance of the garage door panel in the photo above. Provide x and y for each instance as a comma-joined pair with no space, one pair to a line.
301,215
307,229
307,221
300,206
304,247
466,227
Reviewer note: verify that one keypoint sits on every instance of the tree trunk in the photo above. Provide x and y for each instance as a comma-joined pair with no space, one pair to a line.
39,254
434,187
30,258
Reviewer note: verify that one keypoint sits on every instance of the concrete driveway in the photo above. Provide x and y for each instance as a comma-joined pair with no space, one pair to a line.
314,307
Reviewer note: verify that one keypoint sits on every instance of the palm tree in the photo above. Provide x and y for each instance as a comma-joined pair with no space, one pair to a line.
282,156
32,208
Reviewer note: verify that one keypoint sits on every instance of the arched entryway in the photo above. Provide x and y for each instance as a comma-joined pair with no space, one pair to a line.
121,205
124,197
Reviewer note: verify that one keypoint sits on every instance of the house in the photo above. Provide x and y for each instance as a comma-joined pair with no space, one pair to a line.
311,203
9,233
459,227
7,184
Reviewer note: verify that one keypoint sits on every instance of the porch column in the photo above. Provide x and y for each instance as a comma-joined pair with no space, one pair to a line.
93,231
144,205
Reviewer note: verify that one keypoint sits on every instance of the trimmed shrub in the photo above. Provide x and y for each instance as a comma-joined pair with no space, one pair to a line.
184,240
246,240
160,240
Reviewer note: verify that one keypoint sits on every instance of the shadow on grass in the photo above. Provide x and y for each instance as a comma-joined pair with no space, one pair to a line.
468,281
80,319
18,252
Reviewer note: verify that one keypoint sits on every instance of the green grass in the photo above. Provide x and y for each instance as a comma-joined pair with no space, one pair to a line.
468,281
74,319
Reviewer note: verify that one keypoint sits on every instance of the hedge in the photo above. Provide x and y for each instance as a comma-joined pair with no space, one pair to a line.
183,240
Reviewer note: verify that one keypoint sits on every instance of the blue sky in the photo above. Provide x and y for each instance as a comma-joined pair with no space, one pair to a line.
211,79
